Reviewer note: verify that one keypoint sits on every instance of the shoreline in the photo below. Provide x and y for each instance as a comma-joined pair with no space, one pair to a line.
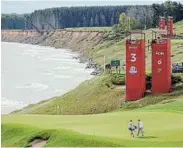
72,57
68,40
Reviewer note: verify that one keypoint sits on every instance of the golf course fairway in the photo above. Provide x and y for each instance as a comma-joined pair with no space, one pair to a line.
161,128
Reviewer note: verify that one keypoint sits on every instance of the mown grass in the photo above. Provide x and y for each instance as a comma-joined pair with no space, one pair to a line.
19,135
110,129
102,130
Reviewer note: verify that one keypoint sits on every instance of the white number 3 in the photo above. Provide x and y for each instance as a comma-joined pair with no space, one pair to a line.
133,59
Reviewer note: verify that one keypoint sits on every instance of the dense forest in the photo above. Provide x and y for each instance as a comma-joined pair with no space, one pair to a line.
12,21
53,18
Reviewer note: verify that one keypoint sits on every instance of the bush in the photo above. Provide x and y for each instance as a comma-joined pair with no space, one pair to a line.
176,78
118,79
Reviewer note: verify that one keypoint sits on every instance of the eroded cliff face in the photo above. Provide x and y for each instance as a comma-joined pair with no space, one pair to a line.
20,36
75,40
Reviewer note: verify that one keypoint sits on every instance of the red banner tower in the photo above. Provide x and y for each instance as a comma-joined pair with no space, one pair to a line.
161,23
135,67
161,65
170,26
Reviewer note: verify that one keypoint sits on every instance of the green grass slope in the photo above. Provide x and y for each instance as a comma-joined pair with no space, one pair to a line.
152,99
173,105
19,135
116,50
178,27
97,95
161,128
92,96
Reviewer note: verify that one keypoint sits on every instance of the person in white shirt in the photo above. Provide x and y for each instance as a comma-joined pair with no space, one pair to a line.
133,40
159,40
140,128
131,127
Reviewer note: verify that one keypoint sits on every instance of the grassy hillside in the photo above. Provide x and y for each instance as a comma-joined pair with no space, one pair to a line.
96,95
116,50
92,96
158,99
108,129
173,105
178,27
113,49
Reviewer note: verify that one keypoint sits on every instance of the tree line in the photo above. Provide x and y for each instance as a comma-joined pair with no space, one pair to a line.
146,16
12,21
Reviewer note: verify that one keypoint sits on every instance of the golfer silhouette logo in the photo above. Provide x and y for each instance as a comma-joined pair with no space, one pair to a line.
133,70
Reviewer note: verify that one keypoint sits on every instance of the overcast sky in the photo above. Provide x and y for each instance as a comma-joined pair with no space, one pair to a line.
23,6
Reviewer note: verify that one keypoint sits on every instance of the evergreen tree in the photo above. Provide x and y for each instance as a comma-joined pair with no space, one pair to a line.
91,22
103,20
85,23
96,20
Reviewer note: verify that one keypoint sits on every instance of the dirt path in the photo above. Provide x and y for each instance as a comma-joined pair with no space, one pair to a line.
119,86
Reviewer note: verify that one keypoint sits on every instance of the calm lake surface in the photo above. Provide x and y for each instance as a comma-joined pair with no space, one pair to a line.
31,73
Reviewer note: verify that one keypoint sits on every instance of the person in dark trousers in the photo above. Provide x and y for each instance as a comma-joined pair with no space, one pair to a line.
140,128
131,127
159,40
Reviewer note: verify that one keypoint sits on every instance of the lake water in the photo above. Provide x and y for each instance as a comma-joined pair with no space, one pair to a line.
31,73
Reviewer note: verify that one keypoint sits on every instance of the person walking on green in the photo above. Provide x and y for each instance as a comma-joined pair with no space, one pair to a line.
131,127
140,128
